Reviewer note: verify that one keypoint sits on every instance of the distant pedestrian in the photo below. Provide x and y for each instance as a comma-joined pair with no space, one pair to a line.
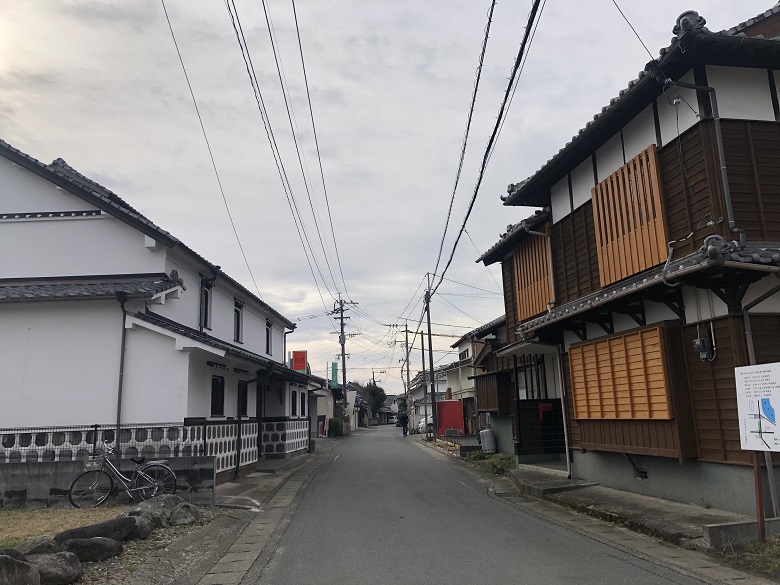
404,423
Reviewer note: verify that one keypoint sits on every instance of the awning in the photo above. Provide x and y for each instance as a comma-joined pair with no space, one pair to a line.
528,348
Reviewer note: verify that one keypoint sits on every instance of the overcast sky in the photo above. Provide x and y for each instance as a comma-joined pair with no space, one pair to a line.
99,84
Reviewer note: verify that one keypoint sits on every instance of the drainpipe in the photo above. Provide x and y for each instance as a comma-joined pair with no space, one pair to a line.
122,298
721,155
565,415
752,359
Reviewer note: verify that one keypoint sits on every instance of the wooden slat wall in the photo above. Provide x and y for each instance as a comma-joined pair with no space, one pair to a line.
752,152
628,214
713,387
486,388
575,255
641,437
510,296
532,273
621,377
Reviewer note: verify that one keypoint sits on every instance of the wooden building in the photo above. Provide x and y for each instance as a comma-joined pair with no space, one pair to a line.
645,277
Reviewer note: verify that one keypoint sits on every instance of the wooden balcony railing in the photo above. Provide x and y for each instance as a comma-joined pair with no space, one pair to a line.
533,279
631,233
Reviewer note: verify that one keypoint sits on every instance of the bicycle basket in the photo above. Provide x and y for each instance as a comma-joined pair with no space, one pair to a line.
93,462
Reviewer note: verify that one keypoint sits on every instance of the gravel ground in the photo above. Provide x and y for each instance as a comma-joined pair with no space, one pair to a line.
137,552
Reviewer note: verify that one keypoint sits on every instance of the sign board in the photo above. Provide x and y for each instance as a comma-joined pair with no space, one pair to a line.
758,398
334,375
299,361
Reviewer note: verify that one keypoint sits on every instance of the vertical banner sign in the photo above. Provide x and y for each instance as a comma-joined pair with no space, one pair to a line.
299,361
758,400
334,375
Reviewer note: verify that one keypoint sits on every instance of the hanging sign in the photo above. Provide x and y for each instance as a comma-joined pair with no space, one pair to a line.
334,375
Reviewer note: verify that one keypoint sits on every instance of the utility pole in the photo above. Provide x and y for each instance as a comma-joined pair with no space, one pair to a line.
430,358
425,388
406,396
338,309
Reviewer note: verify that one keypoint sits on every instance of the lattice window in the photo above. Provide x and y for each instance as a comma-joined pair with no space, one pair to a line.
621,377
629,219
533,280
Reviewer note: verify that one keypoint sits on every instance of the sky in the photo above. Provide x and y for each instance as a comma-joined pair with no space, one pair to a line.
99,83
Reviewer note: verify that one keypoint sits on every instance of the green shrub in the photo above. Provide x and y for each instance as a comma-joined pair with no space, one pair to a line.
502,464
336,427
476,456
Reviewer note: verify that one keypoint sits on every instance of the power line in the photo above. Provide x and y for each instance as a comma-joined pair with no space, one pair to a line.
293,131
477,249
208,146
317,145
486,157
299,225
468,128
471,286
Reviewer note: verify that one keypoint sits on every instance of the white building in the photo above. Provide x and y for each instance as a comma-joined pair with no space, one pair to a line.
107,318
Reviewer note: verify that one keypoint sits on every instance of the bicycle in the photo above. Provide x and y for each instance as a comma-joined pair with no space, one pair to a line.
94,485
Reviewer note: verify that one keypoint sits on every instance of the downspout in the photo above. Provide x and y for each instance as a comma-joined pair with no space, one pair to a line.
721,154
565,414
752,359
122,298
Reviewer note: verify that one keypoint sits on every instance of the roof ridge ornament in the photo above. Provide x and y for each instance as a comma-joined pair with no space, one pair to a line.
689,21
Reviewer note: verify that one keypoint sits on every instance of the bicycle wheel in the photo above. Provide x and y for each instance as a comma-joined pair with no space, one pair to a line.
154,479
91,488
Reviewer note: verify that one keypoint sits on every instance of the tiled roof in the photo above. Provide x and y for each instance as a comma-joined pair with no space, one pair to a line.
717,253
482,329
62,174
512,235
647,84
144,286
266,363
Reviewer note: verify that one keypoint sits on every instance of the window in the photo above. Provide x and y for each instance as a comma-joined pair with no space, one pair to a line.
238,320
269,327
303,403
464,355
294,404
217,396
205,305
242,399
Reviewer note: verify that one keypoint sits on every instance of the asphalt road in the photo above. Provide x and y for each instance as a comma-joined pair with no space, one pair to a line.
390,511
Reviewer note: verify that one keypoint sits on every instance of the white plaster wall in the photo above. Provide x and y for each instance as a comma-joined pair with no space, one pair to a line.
742,93
639,133
582,182
222,302
770,305
559,200
156,378
609,157
254,333
185,309
21,190
199,386
274,405
59,363
667,113
69,247
656,312
702,305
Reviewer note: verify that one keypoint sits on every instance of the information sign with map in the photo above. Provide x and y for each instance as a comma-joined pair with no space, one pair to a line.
758,396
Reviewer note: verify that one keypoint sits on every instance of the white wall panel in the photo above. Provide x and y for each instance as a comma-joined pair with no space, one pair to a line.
21,190
609,157
582,182
59,363
639,133
156,378
742,93
677,118
74,247
559,200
